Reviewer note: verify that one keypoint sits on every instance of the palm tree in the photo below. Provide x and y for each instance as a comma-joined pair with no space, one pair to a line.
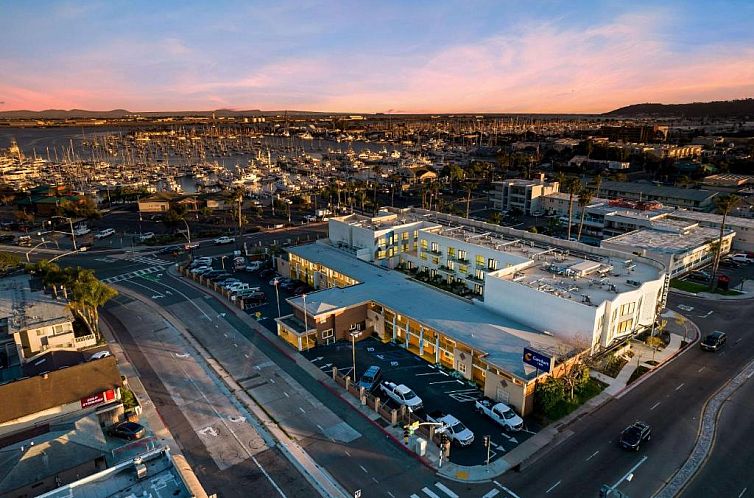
585,197
571,185
724,204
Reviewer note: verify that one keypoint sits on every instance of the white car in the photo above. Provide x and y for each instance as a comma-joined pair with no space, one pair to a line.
99,355
402,395
200,269
741,258
224,240
500,413
146,236
102,234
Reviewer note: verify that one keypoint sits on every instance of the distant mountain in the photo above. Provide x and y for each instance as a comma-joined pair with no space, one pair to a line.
119,113
718,109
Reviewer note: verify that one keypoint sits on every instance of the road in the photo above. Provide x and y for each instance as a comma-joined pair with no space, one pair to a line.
671,401
372,462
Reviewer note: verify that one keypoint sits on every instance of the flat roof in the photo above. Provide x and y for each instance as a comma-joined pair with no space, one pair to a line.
26,309
383,221
464,321
667,242
658,191
730,220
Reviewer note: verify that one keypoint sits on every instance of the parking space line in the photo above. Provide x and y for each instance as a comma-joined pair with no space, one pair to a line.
655,406
680,385
441,382
492,493
552,487
592,455
362,468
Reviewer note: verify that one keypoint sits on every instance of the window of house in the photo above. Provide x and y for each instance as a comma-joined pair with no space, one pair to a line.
451,252
479,274
434,247
404,236
625,325
492,264
326,334
480,260
462,255
462,367
58,329
381,241
423,243
40,332
451,264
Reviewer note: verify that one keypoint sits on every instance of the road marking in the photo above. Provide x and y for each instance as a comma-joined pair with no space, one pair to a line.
430,493
655,406
630,472
509,438
749,375
347,453
708,314
302,410
375,480
428,373
514,495
362,468
272,381
446,490
592,455
700,370
680,385
552,487
392,495
269,478
738,340
492,493
286,394
742,493
412,496
442,382
320,428
246,356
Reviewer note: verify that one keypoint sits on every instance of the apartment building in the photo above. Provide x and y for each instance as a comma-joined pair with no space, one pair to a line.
698,200
35,322
524,195
521,286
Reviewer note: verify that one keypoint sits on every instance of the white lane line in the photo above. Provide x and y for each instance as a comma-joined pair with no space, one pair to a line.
738,340
442,382
269,478
246,356
749,375
701,369
347,453
492,493
430,493
741,493
514,495
302,410
428,373
286,394
680,385
446,490
655,406
592,455
375,480
362,468
184,296
320,428
553,487
412,496
393,496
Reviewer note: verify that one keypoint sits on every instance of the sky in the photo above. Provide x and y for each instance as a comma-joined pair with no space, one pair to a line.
387,56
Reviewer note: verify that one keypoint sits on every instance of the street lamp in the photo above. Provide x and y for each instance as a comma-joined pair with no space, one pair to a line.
306,323
354,335
83,249
222,261
277,294
73,234
32,249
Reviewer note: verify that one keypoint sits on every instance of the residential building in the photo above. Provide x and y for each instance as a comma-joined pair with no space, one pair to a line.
36,322
602,164
523,195
698,200
520,288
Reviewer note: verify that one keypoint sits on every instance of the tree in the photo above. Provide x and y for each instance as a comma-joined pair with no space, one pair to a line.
8,261
724,204
495,218
571,186
548,394
585,197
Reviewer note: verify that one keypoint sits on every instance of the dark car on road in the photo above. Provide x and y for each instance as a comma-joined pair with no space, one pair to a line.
713,341
128,430
633,435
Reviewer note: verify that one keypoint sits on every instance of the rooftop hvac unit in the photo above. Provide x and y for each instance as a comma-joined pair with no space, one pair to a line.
141,471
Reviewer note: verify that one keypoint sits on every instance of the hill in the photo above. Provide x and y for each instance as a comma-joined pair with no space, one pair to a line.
717,109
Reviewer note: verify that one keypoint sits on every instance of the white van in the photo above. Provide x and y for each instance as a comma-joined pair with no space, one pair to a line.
103,234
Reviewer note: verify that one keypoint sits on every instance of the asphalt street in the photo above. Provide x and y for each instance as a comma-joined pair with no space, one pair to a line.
671,401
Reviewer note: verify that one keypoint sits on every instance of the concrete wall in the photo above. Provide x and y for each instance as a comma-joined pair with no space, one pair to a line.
503,389
342,321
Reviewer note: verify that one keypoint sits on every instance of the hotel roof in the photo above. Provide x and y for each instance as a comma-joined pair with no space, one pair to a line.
658,191
462,320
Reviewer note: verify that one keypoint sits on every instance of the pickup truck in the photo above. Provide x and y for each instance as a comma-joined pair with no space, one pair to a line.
402,395
453,427
500,413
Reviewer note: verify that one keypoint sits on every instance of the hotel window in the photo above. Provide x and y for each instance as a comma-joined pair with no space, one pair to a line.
463,268
451,264
435,260
416,234
404,236
434,247
462,255
480,260
423,243
326,334
423,256
451,252
381,241
625,325
492,264
479,274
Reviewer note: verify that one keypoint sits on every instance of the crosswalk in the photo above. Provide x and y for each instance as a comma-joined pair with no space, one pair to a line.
146,260
133,274
439,490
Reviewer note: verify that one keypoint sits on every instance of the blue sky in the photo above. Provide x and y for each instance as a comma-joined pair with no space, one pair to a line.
424,56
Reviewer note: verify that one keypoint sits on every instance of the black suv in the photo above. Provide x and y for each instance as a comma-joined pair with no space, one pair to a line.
714,341
634,434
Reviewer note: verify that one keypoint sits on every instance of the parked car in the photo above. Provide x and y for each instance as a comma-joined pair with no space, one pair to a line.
742,258
24,241
168,250
200,269
220,276
224,240
500,413
451,426
128,430
402,395
103,234
99,355
700,276
713,341
371,378
146,236
253,266
633,435
212,273
729,263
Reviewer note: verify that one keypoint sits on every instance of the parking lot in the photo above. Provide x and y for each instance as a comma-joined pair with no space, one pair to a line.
439,390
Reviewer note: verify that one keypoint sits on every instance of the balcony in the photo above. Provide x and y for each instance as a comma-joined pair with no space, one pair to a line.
474,278
445,269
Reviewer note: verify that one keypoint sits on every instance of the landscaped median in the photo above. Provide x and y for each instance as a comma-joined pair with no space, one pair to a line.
696,288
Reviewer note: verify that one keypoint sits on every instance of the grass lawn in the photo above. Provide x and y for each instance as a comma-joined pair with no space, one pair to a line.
590,390
695,287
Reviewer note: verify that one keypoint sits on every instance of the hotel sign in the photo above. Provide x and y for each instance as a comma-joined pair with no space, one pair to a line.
98,398
538,360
